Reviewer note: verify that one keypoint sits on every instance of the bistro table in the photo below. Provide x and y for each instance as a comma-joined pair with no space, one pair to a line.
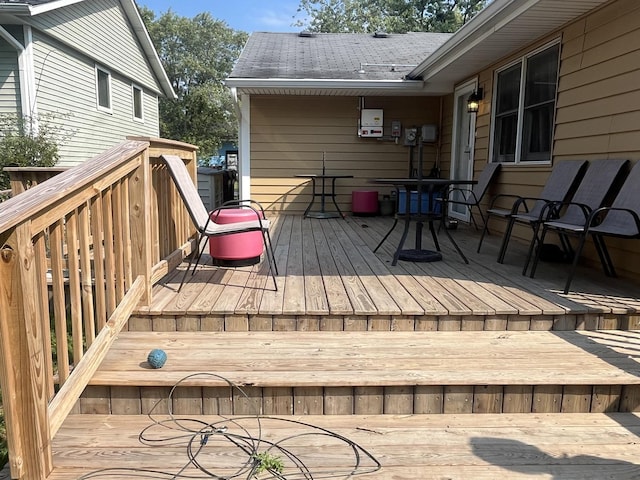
323,194
428,207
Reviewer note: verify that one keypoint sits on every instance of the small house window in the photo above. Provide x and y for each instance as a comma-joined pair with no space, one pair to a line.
103,89
525,103
136,96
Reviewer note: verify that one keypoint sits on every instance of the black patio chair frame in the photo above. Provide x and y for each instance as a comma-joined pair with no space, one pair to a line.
592,193
206,226
530,210
472,197
620,220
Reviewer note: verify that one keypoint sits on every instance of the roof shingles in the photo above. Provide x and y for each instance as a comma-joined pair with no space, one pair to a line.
334,56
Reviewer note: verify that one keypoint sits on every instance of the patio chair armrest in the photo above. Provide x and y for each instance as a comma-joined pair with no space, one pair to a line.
466,193
242,202
552,209
504,195
598,212
234,204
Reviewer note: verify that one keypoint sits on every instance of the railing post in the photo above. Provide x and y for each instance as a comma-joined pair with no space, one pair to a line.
22,376
140,218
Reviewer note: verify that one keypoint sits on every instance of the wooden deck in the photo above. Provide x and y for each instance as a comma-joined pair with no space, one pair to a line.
407,372
329,274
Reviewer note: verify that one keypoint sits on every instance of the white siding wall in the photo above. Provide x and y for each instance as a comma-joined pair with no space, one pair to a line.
9,80
66,87
99,29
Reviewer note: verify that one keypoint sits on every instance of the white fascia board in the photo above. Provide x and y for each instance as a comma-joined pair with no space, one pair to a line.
47,7
398,85
488,21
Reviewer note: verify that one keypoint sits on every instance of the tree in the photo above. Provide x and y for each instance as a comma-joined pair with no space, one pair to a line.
392,16
197,54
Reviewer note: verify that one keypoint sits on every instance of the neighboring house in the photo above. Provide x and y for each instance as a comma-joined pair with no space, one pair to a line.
559,80
87,67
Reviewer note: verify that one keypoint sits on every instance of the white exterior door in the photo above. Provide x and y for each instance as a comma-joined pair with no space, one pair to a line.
464,126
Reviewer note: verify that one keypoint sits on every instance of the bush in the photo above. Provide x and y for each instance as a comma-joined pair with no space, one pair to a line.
22,145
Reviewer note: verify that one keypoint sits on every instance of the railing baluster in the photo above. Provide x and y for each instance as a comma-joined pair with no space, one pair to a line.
126,233
98,261
109,260
75,298
85,270
40,251
118,241
59,305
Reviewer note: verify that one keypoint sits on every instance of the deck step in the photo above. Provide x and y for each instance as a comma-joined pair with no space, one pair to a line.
408,447
371,372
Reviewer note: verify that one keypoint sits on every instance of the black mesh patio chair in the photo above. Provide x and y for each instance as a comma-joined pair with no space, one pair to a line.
592,192
527,210
472,198
621,220
202,219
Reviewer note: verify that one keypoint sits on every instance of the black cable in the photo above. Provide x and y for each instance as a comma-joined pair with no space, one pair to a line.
198,436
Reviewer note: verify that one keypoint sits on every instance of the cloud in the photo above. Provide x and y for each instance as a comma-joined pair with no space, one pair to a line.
280,19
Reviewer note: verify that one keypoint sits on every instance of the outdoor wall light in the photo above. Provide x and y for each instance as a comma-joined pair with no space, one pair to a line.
473,102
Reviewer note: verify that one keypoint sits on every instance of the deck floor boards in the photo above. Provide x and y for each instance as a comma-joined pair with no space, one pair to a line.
305,359
328,267
407,447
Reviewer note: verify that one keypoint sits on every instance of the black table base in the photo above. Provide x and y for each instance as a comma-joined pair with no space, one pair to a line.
413,255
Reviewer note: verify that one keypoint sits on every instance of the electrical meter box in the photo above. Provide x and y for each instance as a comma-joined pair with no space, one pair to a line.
429,133
371,122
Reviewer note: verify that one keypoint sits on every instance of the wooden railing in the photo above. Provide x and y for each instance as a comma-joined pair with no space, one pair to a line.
78,253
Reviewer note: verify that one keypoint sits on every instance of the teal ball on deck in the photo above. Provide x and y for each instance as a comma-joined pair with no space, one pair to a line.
157,358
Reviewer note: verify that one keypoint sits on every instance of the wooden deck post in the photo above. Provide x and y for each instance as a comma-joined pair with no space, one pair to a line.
140,187
22,376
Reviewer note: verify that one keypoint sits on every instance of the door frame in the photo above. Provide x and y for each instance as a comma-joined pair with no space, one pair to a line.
460,95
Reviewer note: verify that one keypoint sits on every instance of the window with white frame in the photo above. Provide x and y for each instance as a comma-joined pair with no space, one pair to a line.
137,99
524,107
103,89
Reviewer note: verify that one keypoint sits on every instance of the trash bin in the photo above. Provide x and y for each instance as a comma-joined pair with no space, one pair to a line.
364,202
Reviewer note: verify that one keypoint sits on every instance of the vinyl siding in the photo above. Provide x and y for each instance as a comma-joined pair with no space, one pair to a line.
597,110
290,134
66,89
99,29
9,79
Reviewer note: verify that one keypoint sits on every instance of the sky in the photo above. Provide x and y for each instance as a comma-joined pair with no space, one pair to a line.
247,15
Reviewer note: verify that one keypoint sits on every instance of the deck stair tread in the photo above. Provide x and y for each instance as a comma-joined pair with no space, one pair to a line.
515,446
368,358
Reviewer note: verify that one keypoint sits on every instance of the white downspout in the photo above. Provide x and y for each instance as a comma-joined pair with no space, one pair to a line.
244,147
25,72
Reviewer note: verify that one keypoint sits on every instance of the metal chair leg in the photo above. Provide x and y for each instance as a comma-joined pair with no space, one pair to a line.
485,231
574,266
395,222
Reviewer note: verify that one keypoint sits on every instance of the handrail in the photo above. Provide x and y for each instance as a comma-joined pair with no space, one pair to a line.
79,251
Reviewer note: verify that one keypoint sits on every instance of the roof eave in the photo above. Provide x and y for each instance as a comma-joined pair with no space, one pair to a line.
486,20
310,84
147,45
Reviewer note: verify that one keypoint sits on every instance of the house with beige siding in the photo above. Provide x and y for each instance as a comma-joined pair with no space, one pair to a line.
557,80
88,68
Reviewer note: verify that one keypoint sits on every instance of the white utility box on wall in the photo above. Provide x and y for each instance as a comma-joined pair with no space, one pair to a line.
371,122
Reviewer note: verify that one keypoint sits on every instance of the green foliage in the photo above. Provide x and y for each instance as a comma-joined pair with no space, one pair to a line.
392,16
23,144
198,54
265,462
